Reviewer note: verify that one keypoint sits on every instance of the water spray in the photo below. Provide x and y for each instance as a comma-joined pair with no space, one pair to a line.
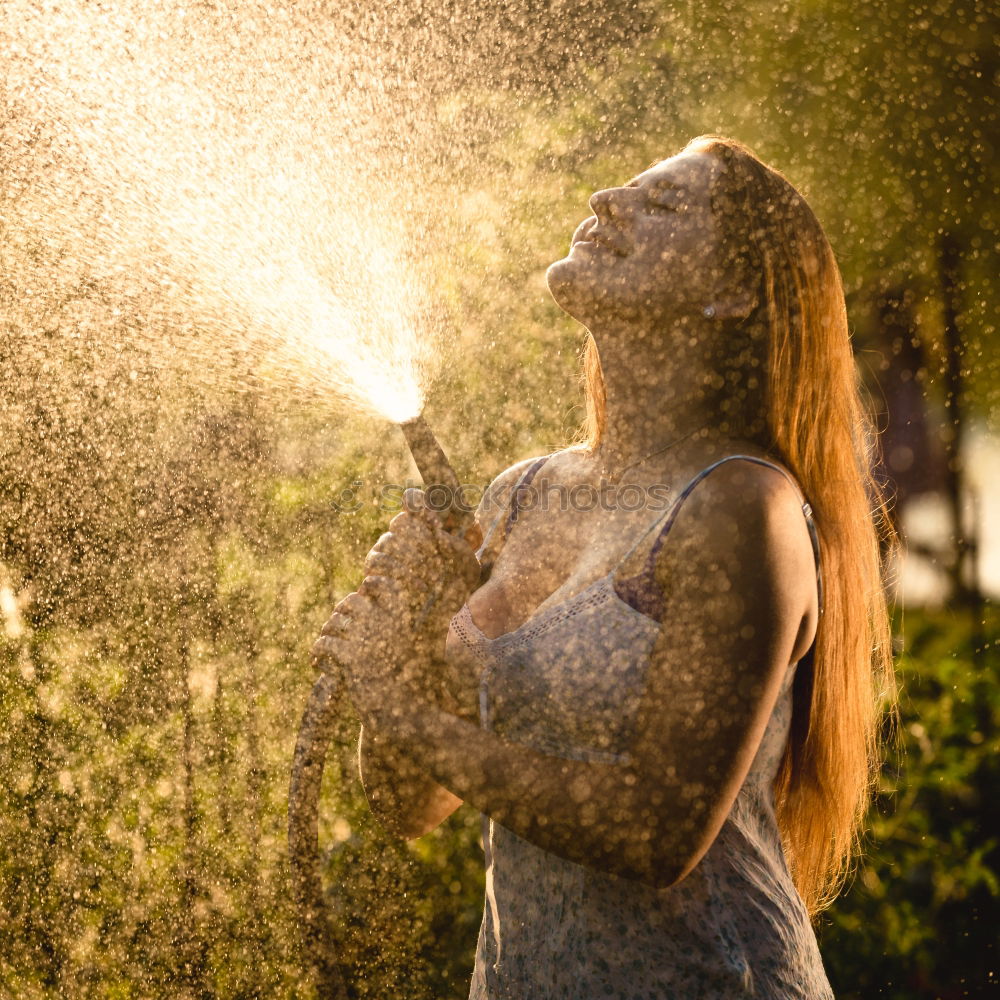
313,742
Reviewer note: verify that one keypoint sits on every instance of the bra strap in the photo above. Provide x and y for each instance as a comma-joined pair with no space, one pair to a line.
671,516
522,485
515,502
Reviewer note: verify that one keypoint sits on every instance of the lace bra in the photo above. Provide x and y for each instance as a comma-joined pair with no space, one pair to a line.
640,591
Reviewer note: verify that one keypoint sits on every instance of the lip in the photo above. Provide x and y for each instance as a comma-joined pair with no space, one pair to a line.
584,231
599,242
590,234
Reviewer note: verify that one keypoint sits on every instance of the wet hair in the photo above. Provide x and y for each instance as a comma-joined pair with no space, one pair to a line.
795,390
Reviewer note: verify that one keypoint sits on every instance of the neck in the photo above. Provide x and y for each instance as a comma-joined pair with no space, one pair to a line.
662,400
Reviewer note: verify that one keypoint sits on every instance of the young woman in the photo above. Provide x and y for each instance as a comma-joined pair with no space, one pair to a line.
667,712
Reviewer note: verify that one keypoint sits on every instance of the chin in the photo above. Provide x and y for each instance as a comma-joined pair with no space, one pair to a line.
568,285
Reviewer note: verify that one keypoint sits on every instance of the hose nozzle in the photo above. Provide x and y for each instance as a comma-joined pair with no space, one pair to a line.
431,460
436,470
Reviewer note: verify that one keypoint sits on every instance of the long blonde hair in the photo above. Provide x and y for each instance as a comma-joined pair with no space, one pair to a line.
808,412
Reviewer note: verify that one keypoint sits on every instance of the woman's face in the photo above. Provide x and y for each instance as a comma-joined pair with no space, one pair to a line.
649,252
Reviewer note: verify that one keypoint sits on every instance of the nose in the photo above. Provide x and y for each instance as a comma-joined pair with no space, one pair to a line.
604,204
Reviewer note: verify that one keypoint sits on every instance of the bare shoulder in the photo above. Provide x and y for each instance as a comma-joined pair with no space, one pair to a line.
497,496
749,488
746,517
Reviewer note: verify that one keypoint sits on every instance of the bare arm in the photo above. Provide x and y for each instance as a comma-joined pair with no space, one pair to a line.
401,795
740,585
739,579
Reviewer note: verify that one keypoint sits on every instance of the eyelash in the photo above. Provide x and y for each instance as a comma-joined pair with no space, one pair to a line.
653,207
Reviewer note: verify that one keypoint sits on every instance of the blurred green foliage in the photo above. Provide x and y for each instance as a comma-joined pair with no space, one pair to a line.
920,916
146,756
168,550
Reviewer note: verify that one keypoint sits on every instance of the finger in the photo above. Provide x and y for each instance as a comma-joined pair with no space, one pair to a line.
457,548
402,601
417,572
412,524
382,588
340,606
355,605
411,537
335,624
386,541
327,652
426,552
415,503
383,564
457,565
412,564
379,562
325,645
414,500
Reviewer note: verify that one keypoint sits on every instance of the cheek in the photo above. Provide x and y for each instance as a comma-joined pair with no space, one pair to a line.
682,261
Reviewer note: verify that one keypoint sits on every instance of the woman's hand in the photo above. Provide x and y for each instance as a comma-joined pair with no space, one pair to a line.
358,644
389,635
426,570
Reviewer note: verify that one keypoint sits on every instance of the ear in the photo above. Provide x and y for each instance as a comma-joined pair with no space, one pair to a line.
735,303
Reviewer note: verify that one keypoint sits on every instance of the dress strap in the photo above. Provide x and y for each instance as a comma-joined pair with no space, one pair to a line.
515,504
671,516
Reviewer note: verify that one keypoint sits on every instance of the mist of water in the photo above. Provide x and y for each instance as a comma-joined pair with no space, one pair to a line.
251,175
